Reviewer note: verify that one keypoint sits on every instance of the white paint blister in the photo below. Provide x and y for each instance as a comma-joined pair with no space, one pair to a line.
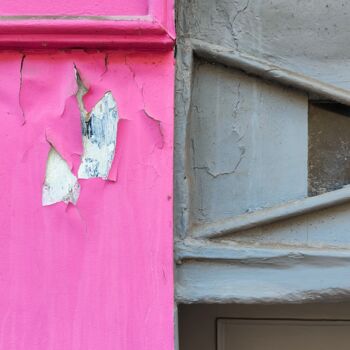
60,183
99,139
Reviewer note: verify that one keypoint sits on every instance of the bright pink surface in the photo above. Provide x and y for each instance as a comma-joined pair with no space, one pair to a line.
74,7
97,275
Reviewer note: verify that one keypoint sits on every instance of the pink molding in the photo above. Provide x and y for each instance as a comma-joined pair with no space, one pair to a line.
153,31
74,8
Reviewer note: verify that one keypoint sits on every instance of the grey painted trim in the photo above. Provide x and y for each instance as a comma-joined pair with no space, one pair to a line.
202,250
241,283
272,214
176,327
184,74
229,273
218,274
268,71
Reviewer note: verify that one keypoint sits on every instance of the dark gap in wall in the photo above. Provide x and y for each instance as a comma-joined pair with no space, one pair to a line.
329,147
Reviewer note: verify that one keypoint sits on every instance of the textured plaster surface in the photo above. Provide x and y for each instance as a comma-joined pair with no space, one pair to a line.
98,274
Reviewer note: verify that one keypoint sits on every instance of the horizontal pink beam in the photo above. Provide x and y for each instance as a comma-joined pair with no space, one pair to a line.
86,42
47,25
139,32
76,7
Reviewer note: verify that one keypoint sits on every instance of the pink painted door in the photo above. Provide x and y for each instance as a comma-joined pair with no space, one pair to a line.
86,160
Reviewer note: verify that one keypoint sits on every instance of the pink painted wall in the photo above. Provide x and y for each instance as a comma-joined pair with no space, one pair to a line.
97,275
73,7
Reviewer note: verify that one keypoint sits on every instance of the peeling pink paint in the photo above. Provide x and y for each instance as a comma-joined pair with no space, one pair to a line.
97,275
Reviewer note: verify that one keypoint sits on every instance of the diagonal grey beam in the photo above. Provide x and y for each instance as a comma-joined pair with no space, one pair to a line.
273,214
254,66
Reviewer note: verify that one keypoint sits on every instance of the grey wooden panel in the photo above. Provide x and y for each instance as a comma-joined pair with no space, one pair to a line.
328,228
247,144
307,36
237,334
257,281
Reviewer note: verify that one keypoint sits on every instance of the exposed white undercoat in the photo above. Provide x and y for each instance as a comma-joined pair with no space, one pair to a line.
99,139
60,183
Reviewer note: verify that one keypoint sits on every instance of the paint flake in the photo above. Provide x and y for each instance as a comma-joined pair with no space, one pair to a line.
60,183
99,139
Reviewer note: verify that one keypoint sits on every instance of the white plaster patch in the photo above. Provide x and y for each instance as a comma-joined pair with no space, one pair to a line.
99,139
60,183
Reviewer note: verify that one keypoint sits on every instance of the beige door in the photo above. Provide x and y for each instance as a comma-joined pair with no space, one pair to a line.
243,334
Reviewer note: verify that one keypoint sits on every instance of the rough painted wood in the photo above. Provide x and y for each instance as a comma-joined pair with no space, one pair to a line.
273,214
201,250
278,41
98,275
270,282
243,135
147,25
324,229
307,37
269,71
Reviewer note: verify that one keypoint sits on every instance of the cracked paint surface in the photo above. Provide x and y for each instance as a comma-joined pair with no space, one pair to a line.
234,128
99,139
98,133
71,275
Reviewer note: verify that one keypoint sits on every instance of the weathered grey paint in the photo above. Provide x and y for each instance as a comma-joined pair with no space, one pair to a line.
306,36
214,105
231,282
328,228
248,143
276,214
269,71
231,272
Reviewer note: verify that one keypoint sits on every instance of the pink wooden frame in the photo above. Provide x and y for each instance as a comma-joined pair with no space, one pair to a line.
152,31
